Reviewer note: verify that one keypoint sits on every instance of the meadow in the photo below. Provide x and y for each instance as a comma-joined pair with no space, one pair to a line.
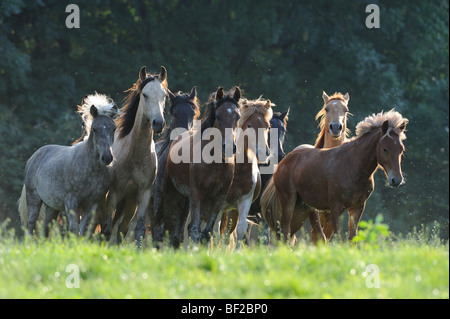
409,267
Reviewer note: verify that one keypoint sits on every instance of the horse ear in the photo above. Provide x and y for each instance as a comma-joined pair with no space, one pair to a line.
163,74
171,95
94,111
237,94
219,94
285,114
193,93
142,73
403,126
325,97
346,97
385,126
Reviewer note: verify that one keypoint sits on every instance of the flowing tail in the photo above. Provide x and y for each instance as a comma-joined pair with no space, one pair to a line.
271,206
22,203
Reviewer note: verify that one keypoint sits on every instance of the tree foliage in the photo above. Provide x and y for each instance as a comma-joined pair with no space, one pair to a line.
288,51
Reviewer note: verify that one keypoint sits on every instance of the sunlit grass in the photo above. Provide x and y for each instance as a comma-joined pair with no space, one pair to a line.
408,268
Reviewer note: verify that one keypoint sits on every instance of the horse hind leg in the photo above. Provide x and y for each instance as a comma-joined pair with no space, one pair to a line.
34,203
288,201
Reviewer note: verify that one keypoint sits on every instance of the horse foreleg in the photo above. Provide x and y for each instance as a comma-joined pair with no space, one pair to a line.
50,215
242,224
87,221
314,219
109,206
143,202
72,214
194,225
223,223
178,225
336,212
353,221
127,210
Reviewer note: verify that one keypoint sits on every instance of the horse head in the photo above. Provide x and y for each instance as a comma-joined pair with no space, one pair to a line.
184,108
153,91
389,152
336,110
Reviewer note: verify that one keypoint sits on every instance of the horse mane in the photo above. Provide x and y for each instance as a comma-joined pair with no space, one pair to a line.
105,107
209,117
126,120
374,121
250,107
320,141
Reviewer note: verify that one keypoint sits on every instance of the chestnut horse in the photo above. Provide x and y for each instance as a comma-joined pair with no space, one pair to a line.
279,123
333,132
335,179
246,186
197,183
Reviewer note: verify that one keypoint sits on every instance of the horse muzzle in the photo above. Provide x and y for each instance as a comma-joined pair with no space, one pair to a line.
158,126
106,159
336,129
395,181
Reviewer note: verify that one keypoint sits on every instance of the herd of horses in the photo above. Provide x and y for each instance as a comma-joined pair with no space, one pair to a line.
117,179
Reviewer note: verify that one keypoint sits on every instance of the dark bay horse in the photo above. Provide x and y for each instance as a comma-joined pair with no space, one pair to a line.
72,179
184,109
246,185
200,182
335,179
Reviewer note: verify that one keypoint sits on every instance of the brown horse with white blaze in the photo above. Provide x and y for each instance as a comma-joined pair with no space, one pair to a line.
246,186
335,179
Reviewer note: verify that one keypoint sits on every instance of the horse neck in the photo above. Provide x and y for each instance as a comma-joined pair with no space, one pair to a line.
364,153
249,159
86,150
141,134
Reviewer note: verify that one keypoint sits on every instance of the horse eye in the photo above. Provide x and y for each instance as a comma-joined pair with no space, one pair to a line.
145,95
326,110
384,150
249,126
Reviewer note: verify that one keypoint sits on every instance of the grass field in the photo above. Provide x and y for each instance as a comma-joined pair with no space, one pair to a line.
406,268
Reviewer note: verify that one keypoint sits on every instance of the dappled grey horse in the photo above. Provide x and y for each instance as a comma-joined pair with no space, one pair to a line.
74,178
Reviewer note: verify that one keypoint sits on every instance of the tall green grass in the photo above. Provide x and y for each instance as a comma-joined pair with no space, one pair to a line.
410,267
